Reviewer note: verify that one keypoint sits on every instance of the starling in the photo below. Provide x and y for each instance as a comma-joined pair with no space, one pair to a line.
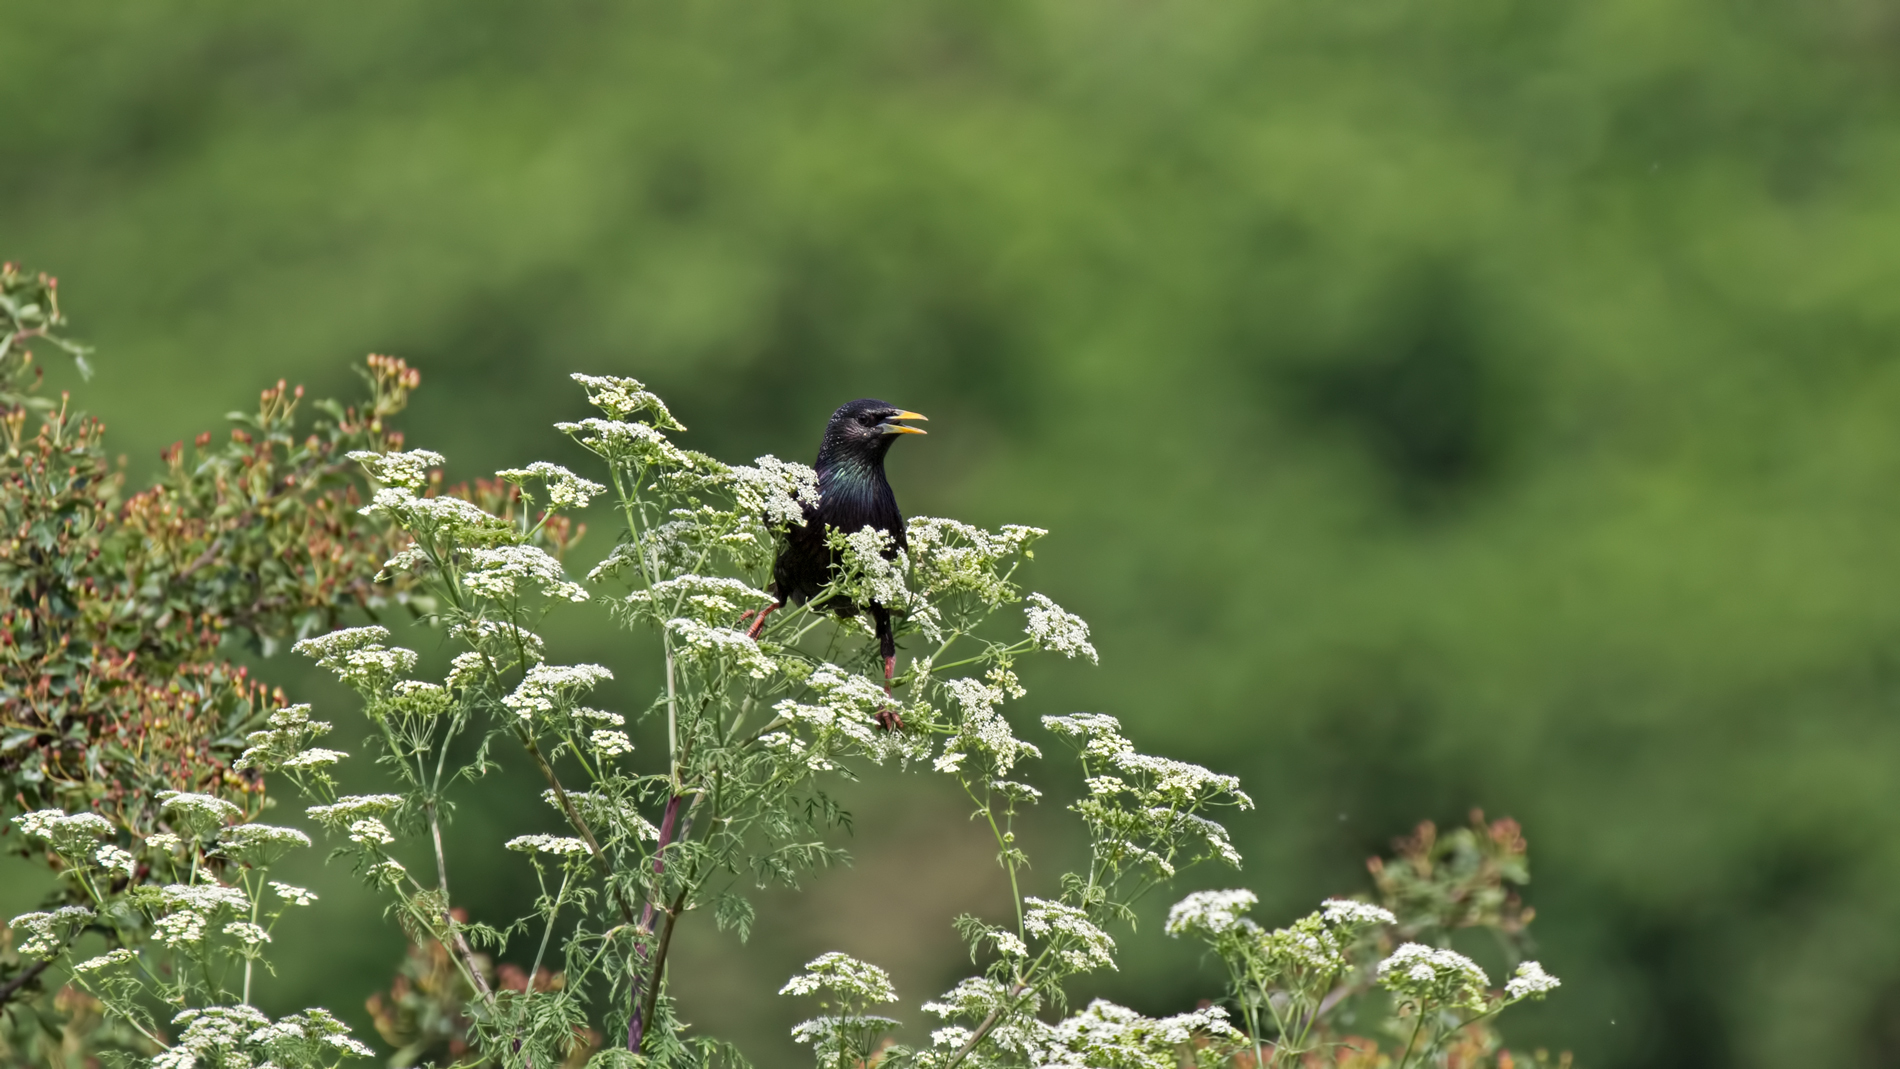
852,494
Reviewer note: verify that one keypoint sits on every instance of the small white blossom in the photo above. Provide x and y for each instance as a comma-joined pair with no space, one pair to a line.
183,928
1530,981
48,931
614,438
708,597
1053,629
1347,913
260,844
109,958
1209,912
565,489
1434,976
1086,946
249,934
560,845
611,743
409,470
844,976
466,670
505,573
73,836
776,492
315,757
350,807
113,859
1105,1034
163,841
370,832
357,656
1011,945
621,397
545,685
293,894
704,640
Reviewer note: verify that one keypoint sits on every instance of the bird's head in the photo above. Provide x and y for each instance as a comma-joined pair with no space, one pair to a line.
866,428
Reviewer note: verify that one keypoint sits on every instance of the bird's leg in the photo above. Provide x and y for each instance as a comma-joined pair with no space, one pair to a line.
887,717
759,623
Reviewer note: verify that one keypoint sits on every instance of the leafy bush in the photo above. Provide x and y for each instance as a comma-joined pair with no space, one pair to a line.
265,537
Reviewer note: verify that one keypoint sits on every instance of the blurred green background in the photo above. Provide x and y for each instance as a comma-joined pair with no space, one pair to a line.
1436,404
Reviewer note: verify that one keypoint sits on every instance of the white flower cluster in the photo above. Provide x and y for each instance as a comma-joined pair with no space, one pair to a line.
71,836
1133,793
1350,913
232,1036
111,957
200,814
358,657
1432,976
259,844
843,976
293,894
369,831
547,686
1051,628
879,567
775,492
566,490
1079,943
113,859
1530,981
499,639
190,908
705,597
621,397
339,814
1102,1035
1210,913
408,470
951,557
1107,1034
981,730
610,743
617,440
506,572
251,935
417,698
431,515
559,845
706,640
289,733
48,932
1164,781
466,670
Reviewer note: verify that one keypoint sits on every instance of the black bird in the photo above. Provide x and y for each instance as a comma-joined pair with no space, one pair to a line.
852,494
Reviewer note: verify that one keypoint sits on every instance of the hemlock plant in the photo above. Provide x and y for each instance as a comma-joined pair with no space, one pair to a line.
755,730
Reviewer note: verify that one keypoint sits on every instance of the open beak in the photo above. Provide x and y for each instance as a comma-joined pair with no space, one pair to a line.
889,426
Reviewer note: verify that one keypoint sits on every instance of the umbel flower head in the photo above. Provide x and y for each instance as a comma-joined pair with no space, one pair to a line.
1432,976
843,977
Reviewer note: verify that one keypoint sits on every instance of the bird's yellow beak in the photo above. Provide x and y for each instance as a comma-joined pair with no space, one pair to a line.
893,427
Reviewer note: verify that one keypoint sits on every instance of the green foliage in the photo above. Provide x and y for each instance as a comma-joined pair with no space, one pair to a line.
122,709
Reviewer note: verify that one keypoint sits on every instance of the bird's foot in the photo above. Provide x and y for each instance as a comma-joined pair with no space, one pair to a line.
758,622
887,717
